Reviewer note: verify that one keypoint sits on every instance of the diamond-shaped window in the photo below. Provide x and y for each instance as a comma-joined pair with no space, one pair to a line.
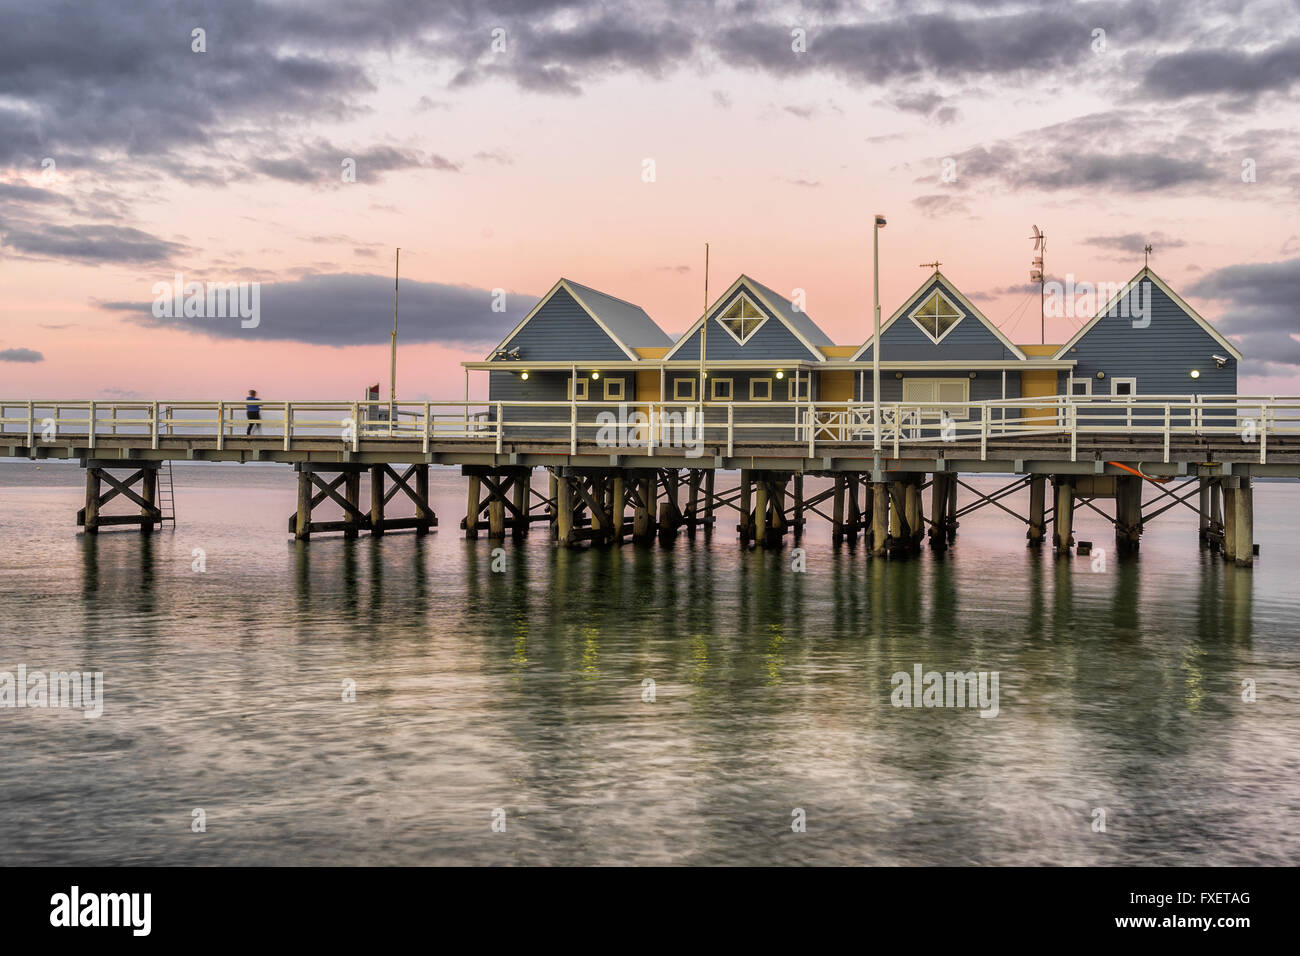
742,319
936,316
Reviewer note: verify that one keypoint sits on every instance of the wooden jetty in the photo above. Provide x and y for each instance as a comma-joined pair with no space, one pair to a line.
1199,452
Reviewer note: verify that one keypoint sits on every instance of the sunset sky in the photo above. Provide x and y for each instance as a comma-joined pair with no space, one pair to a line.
509,168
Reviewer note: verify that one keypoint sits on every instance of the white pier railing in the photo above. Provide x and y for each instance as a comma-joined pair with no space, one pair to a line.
644,427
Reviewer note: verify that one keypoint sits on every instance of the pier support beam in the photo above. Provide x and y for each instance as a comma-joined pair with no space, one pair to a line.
141,475
1239,522
939,513
1037,510
1128,513
880,519
1063,517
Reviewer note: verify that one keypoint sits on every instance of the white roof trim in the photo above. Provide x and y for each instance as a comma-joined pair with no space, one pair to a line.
753,292
966,303
564,284
1177,300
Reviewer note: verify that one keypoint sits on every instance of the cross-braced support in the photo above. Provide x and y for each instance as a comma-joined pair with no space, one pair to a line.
505,497
380,520
770,504
319,484
100,473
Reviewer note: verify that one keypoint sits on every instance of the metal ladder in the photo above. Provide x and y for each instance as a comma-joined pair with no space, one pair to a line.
167,494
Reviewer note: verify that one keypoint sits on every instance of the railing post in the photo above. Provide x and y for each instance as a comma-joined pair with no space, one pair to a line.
1166,432
90,424
573,427
898,428
153,425
1072,417
501,426
31,426
650,445
425,446
356,427
1263,432
112,419
288,424
731,429
984,433
812,432
221,425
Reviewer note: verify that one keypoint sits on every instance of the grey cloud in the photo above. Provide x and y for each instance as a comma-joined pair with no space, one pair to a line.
348,309
21,355
1134,241
1233,71
1261,308
93,244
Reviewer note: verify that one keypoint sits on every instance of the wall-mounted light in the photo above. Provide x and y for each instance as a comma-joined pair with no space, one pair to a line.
972,374
1101,374
595,375
779,375
1220,360
524,376
1196,373
898,375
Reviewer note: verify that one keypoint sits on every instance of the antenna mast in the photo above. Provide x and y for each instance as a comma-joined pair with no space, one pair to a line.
704,330
1039,274
392,370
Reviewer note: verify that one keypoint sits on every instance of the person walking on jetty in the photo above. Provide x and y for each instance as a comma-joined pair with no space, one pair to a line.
253,411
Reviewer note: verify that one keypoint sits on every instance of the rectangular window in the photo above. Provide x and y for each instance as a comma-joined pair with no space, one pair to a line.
615,389
1081,386
579,390
722,389
798,389
683,390
1123,386
938,395
760,389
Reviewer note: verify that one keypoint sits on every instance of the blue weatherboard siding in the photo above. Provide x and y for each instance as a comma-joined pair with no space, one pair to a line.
783,420
773,340
969,339
1160,356
984,387
552,386
562,330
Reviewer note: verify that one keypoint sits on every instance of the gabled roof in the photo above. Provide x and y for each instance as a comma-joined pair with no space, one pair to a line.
952,291
1146,273
797,321
628,325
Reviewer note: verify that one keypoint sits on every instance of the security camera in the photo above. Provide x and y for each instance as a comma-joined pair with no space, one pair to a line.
1220,360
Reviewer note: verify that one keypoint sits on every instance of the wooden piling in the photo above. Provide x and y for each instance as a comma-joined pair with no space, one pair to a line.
617,506
472,506
522,500
837,511
149,492
377,499
352,493
1063,517
422,510
879,518
939,511
496,519
746,487
302,521
1037,510
708,501
760,513
798,506
1239,523
92,501
563,513
1128,513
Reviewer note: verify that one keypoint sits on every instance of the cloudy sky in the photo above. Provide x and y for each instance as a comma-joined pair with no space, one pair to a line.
505,143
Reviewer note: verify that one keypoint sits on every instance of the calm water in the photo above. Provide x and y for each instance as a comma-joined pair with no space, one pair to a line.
522,691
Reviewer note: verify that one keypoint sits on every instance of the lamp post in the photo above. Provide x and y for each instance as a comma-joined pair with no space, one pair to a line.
875,337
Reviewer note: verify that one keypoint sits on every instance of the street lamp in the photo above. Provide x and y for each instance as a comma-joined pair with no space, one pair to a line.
875,338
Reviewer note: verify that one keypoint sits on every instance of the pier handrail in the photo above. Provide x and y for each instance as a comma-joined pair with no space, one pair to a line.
650,425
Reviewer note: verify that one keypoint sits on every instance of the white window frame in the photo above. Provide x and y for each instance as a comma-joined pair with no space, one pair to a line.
799,384
1087,387
677,389
961,316
713,389
1114,386
760,398
622,389
578,389
932,411
761,321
